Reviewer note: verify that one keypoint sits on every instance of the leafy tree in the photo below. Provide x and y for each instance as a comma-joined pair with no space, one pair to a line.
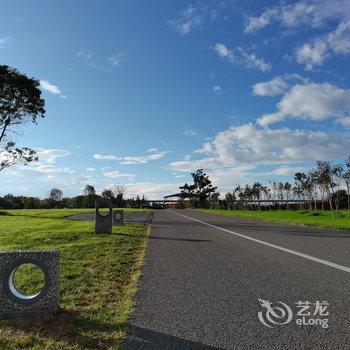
257,191
230,199
89,190
108,194
56,195
326,174
201,189
20,102
89,196
119,192
346,177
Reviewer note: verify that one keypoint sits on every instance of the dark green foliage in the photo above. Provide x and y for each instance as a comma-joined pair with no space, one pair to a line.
20,102
200,191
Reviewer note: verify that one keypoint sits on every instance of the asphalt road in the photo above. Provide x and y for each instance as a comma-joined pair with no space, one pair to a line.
201,285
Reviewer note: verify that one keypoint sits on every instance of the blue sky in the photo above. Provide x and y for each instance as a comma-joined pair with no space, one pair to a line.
144,92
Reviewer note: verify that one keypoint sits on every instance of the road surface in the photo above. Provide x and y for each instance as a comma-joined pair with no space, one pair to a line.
204,275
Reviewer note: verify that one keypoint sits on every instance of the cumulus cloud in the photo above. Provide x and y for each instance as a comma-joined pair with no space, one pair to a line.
314,14
52,89
311,101
105,157
316,52
240,56
250,145
276,86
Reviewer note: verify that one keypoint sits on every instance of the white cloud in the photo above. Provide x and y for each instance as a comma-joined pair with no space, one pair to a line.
276,86
197,14
189,19
217,89
312,54
223,51
344,121
4,42
105,157
241,56
309,13
286,170
190,132
315,53
52,89
191,165
50,155
117,175
152,190
256,23
311,101
250,145
339,39
116,60
154,154
90,169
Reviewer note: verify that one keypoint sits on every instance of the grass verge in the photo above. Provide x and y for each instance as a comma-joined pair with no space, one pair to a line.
98,280
318,219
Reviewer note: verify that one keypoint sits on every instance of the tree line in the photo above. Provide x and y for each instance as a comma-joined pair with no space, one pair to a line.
56,200
327,186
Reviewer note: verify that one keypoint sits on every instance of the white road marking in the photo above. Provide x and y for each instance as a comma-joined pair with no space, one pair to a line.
290,251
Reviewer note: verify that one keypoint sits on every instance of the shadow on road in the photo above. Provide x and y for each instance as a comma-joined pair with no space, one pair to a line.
145,339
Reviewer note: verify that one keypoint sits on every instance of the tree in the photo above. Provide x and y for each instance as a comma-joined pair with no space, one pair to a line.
56,195
326,173
20,102
257,190
200,190
346,177
89,197
89,190
108,194
119,192
230,199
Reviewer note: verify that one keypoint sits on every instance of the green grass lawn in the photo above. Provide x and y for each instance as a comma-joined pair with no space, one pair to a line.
98,279
319,219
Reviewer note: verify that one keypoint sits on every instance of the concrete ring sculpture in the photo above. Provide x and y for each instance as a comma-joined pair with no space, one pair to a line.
10,288
104,215
13,302
118,215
